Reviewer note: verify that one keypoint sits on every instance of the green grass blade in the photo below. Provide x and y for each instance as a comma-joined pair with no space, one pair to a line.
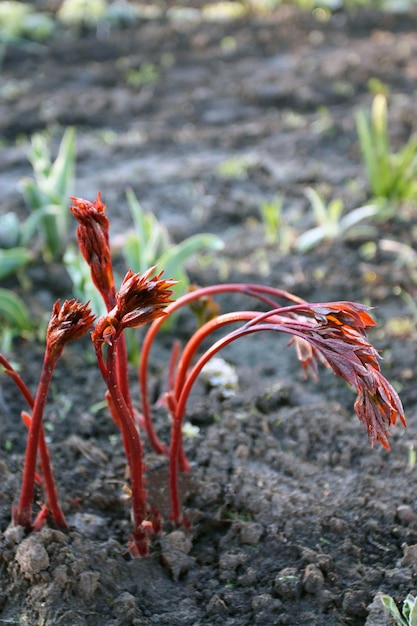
132,253
405,171
358,215
33,195
31,225
152,237
9,230
334,211
363,129
137,213
141,244
319,208
40,157
13,311
12,260
173,260
392,609
63,169
410,610
310,239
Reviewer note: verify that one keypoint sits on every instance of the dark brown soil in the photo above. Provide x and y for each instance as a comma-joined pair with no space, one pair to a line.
294,519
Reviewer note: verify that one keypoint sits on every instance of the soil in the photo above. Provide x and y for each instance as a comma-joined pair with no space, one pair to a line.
294,519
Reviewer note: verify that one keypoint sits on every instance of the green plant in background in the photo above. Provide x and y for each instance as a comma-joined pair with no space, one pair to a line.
271,214
376,86
276,229
47,194
138,74
331,223
224,11
12,17
149,244
21,26
234,168
146,74
77,14
323,9
82,12
14,239
392,175
409,611
14,318
46,197
19,21
83,287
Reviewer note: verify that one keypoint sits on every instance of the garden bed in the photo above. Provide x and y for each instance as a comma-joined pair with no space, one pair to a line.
293,518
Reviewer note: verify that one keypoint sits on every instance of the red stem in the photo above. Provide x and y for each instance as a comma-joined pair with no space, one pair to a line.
177,412
48,478
187,378
123,371
8,369
172,369
50,486
198,337
261,292
175,384
133,447
110,300
23,513
216,347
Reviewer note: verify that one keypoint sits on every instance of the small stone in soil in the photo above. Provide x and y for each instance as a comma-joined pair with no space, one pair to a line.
405,514
250,533
125,609
313,579
216,605
14,534
378,615
87,585
175,548
398,577
354,603
287,585
410,556
32,557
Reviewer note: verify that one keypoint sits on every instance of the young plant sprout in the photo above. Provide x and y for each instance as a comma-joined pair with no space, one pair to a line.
94,244
46,194
67,323
331,333
140,300
48,479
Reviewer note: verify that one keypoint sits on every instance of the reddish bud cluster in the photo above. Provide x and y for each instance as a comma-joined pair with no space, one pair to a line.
340,337
141,299
68,322
94,244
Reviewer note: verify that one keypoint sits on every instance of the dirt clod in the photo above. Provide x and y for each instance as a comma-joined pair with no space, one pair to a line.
175,549
32,557
313,579
287,584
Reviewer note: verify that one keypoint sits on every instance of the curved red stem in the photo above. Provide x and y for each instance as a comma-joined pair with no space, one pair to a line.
264,293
